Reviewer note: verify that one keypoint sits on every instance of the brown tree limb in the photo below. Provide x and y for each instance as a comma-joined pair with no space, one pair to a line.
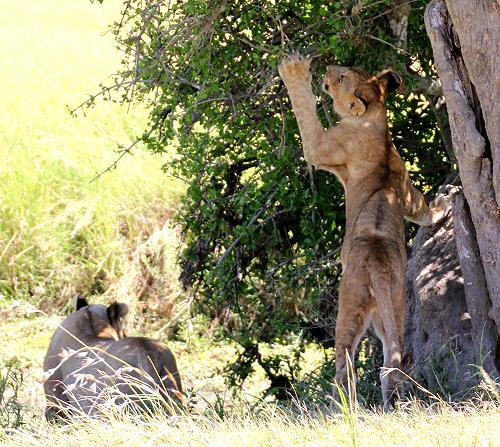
477,25
484,334
398,21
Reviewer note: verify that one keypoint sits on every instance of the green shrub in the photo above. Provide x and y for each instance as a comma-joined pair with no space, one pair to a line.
262,234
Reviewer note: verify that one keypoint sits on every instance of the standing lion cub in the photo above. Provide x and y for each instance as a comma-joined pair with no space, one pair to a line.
379,195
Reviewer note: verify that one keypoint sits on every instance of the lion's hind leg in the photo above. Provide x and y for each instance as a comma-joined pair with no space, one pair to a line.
388,321
356,307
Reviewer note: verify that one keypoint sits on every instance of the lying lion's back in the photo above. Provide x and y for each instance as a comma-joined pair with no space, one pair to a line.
148,354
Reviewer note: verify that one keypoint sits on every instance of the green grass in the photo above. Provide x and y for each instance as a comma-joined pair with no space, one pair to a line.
59,233
273,426
217,418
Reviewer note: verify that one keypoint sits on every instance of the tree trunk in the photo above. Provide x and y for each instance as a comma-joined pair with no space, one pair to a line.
454,289
438,331
483,330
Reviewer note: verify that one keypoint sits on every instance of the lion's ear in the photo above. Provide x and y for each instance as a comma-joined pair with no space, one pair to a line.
357,106
363,96
100,324
389,81
81,301
116,311
116,315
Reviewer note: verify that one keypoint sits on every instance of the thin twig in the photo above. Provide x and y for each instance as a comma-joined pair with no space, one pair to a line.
104,90
370,36
124,152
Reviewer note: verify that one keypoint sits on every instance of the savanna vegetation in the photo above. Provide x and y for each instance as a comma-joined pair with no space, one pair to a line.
210,188
60,232
261,230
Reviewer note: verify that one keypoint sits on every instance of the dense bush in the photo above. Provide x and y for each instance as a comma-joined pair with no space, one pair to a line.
262,232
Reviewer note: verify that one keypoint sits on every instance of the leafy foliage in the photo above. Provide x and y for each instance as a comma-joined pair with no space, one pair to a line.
262,232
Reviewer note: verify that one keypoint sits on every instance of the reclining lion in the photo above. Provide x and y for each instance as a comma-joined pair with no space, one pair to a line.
379,194
90,363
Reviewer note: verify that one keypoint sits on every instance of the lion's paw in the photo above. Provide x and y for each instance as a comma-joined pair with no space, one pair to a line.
442,204
295,67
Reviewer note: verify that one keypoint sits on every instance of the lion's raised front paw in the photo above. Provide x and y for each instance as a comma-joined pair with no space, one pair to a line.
295,67
441,205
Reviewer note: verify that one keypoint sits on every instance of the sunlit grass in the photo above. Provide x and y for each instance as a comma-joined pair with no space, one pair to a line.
234,421
217,418
273,426
59,233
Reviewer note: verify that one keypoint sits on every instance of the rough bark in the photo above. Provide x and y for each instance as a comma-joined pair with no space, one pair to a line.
477,26
438,330
465,36
484,334
453,280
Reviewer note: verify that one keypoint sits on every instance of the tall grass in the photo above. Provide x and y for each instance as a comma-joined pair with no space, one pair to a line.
273,426
10,409
59,233
237,423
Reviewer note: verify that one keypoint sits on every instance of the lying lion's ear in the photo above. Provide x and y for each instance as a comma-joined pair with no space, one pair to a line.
389,81
117,310
101,325
80,302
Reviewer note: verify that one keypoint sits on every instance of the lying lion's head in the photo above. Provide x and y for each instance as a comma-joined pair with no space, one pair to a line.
105,321
355,92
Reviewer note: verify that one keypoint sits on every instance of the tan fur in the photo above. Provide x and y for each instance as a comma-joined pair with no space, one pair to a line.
87,361
106,322
379,194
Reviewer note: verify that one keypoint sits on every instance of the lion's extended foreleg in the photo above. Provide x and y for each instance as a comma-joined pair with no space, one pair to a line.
417,210
294,70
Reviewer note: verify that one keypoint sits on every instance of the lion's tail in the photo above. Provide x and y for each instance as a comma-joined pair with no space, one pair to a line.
382,289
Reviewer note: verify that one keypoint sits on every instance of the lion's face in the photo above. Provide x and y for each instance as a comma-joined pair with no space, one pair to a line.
341,83
354,91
